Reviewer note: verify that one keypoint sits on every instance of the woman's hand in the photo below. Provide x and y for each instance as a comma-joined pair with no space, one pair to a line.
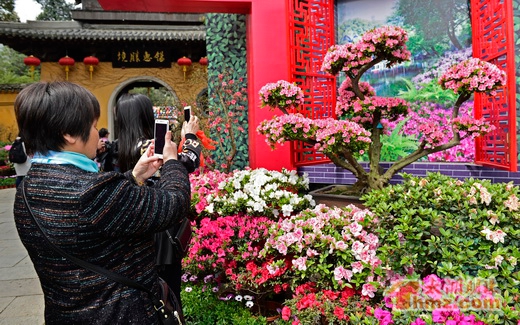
170,148
147,165
101,146
190,127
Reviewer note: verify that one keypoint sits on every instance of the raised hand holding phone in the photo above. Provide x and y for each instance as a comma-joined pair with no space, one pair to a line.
187,113
160,129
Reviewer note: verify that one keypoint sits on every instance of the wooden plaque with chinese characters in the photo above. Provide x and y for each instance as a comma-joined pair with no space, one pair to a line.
141,58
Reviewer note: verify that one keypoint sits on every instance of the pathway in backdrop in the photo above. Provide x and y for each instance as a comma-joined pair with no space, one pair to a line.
21,297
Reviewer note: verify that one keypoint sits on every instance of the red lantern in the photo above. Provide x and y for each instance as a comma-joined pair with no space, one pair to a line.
66,61
91,61
204,61
32,62
184,62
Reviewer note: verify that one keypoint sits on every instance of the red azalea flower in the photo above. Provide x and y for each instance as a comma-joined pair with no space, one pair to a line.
330,295
339,313
286,313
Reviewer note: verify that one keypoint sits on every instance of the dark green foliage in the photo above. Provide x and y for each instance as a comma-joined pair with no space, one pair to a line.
55,10
12,68
444,226
430,92
7,12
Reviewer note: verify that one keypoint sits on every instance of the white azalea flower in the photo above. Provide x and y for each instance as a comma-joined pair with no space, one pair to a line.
210,208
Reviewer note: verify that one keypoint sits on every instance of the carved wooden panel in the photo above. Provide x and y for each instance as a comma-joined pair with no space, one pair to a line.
493,41
311,34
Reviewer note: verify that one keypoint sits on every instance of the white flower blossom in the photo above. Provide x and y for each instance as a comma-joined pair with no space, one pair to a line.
210,208
287,209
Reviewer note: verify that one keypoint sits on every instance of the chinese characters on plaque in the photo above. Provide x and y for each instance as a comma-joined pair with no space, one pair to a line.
141,58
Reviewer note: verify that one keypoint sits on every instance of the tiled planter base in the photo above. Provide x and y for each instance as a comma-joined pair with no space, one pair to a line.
330,174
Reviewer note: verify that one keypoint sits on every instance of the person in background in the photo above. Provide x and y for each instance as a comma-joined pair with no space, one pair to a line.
105,152
21,169
103,134
107,219
135,129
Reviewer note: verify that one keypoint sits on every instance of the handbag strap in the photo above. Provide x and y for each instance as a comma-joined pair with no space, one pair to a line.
158,304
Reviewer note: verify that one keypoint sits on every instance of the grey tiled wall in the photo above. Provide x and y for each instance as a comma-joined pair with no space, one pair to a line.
330,174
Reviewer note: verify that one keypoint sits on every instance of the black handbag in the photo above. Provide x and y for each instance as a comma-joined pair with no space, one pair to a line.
167,307
181,240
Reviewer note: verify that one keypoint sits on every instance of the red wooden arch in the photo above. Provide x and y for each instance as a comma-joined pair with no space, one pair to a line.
267,56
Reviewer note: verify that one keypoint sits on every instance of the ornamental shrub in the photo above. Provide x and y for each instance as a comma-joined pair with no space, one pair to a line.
451,228
363,117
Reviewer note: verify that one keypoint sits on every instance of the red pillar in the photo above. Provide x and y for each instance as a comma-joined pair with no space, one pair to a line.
267,56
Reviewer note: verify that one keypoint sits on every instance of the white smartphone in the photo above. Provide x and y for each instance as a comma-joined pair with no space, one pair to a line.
187,113
160,129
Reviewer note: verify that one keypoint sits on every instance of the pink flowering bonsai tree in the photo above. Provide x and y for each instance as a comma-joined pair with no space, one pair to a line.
362,117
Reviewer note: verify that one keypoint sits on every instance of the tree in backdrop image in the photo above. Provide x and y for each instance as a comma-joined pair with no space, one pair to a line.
363,117
228,120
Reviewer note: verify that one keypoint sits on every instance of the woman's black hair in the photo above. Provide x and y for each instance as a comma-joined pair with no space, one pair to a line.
46,111
134,122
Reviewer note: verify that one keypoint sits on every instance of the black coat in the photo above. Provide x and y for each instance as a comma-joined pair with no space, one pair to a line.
105,219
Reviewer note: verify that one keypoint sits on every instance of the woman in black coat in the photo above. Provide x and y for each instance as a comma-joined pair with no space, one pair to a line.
108,219
135,128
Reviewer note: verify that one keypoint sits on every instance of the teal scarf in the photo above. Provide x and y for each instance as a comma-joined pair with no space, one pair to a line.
66,158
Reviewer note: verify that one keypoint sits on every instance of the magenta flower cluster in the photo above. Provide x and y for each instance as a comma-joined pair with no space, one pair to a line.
330,134
387,41
473,75
346,96
448,295
226,244
281,94
428,113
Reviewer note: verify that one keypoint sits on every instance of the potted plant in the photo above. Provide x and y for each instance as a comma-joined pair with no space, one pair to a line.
363,117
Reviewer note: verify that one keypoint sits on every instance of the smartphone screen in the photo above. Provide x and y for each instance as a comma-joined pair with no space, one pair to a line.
187,113
161,127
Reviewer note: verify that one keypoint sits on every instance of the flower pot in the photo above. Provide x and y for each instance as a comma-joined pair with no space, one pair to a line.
269,309
331,196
